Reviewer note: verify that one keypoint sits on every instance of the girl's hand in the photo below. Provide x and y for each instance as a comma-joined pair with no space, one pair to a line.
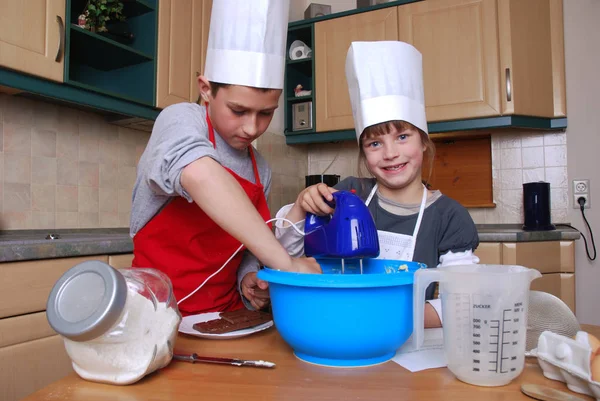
312,199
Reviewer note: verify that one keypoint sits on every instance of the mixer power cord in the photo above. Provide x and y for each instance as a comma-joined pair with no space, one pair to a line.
581,202
235,253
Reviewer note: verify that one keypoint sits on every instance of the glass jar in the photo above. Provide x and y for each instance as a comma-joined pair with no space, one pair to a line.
117,325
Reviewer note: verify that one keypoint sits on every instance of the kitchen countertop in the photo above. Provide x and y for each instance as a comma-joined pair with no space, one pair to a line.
16,245
291,379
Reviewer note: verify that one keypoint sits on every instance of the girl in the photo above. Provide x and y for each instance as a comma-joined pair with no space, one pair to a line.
386,93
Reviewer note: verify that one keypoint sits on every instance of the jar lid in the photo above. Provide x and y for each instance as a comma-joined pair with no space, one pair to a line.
86,301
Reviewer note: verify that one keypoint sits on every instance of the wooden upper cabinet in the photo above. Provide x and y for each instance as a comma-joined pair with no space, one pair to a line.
332,40
459,43
182,39
32,37
532,57
488,57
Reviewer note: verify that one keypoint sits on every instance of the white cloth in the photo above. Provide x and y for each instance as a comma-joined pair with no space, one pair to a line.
394,246
246,43
385,82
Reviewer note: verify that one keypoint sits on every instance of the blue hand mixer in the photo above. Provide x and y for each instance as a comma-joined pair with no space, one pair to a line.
349,233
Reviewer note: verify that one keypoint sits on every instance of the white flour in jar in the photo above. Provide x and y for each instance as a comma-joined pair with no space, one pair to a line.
126,352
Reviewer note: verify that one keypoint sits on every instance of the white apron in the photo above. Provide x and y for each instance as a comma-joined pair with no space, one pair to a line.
393,246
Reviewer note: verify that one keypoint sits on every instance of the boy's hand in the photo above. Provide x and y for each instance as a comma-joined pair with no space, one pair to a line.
255,290
306,265
311,199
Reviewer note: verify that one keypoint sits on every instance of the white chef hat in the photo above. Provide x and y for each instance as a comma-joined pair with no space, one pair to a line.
385,81
246,43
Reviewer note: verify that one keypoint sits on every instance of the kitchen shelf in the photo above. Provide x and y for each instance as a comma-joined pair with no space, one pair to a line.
304,60
136,8
102,53
299,98
487,123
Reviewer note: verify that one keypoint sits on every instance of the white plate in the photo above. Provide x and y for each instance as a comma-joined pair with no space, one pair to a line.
188,322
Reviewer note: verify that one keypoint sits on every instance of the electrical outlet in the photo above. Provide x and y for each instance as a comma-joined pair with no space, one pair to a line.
581,186
581,189
576,197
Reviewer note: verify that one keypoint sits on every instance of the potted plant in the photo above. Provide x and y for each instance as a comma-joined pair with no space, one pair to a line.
99,12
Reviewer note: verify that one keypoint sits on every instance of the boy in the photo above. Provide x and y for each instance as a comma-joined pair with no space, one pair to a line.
201,187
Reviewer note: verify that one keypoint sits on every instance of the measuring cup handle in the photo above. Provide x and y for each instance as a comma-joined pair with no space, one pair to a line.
423,277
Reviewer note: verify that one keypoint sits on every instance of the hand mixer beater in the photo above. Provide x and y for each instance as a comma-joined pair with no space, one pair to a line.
349,233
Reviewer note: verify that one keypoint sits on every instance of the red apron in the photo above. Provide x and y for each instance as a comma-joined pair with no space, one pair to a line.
184,243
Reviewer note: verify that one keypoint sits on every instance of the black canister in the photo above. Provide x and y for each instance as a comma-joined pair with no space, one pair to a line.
329,179
536,206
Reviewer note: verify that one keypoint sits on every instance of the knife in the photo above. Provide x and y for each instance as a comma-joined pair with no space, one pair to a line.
193,358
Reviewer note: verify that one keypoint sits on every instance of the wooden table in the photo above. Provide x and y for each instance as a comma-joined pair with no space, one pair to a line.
291,380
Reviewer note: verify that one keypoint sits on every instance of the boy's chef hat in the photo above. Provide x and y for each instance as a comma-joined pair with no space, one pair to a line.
385,80
246,43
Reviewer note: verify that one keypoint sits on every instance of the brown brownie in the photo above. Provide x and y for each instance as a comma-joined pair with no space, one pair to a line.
232,321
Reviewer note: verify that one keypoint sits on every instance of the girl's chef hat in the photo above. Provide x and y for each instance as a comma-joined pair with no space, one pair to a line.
385,80
246,43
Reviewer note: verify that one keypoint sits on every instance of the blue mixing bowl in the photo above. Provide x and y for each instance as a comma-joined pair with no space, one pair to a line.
344,320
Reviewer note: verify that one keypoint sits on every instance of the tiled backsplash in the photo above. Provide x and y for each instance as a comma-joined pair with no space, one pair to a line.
289,165
517,157
64,168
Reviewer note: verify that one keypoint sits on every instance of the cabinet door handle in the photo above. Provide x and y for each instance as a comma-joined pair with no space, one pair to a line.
508,86
197,74
61,39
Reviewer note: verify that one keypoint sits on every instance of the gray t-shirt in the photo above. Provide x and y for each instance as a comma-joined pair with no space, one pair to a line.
446,225
180,137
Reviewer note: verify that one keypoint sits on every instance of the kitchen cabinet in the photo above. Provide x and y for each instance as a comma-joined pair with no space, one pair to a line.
554,259
32,37
32,355
488,57
182,40
332,40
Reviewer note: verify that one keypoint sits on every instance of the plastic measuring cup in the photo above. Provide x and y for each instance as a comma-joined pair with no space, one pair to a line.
484,309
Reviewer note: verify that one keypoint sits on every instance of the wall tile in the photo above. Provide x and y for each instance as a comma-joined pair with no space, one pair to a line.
555,156
67,145
43,198
18,110
89,220
17,139
559,198
17,197
513,206
89,174
67,172
509,141
45,116
67,220
127,154
88,200
559,215
108,220
533,175
557,177
67,121
89,149
17,169
511,179
15,221
124,205
109,152
43,170
109,176
551,139
478,215
67,198
511,158
532,140
41,220
127,176
533,157
109,200
124,219
43,142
